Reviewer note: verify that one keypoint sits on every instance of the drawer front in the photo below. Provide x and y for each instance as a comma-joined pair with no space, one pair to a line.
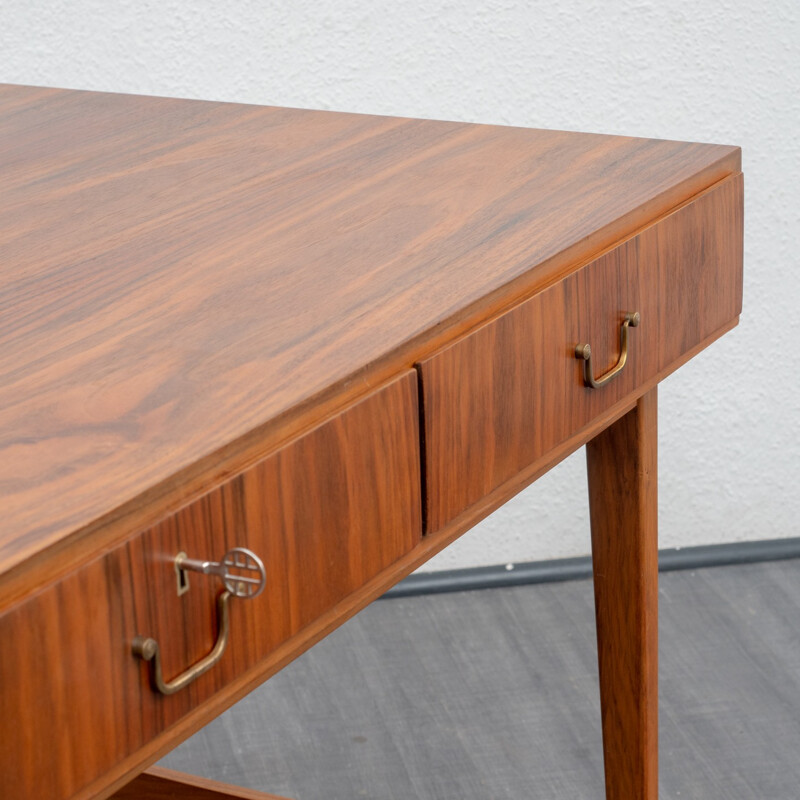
506,394
325,513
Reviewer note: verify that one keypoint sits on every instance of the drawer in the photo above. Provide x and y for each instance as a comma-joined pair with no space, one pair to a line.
325,513
502,397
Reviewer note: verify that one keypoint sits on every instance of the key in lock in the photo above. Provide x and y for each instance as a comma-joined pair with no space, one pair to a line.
240,570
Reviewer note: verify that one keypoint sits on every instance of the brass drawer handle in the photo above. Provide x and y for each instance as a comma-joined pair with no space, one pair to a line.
584,351
147,649
233,571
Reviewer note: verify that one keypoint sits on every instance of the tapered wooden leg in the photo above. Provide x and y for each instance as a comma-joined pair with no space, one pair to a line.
158,783
623,500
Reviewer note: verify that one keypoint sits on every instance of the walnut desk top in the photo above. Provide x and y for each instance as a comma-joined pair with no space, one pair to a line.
210,311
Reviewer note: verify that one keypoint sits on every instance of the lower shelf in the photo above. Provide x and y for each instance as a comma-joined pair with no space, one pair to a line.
158,783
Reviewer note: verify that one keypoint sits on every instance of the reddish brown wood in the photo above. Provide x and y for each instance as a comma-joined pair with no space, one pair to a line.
500,398
327,513
167,784
192,297
329,620
185,284
623,502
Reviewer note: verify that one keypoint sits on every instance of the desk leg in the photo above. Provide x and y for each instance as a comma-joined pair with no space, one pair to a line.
623,499
158,783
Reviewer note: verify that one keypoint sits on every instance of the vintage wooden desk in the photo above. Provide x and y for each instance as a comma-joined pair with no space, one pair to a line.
338,341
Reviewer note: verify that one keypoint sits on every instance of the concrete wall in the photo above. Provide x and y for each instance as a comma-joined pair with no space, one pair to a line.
703,70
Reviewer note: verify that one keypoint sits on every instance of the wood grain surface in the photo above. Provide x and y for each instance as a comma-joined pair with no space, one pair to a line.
184,285
498,399
167,784
623,504
327,514
328,621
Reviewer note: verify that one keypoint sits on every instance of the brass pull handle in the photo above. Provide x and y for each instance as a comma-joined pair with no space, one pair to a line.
584,351
147,649
233,571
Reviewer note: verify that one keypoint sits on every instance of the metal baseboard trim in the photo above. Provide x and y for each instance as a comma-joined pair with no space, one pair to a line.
570,569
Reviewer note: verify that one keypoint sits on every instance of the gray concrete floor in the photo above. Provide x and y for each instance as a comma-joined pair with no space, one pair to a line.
493,694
